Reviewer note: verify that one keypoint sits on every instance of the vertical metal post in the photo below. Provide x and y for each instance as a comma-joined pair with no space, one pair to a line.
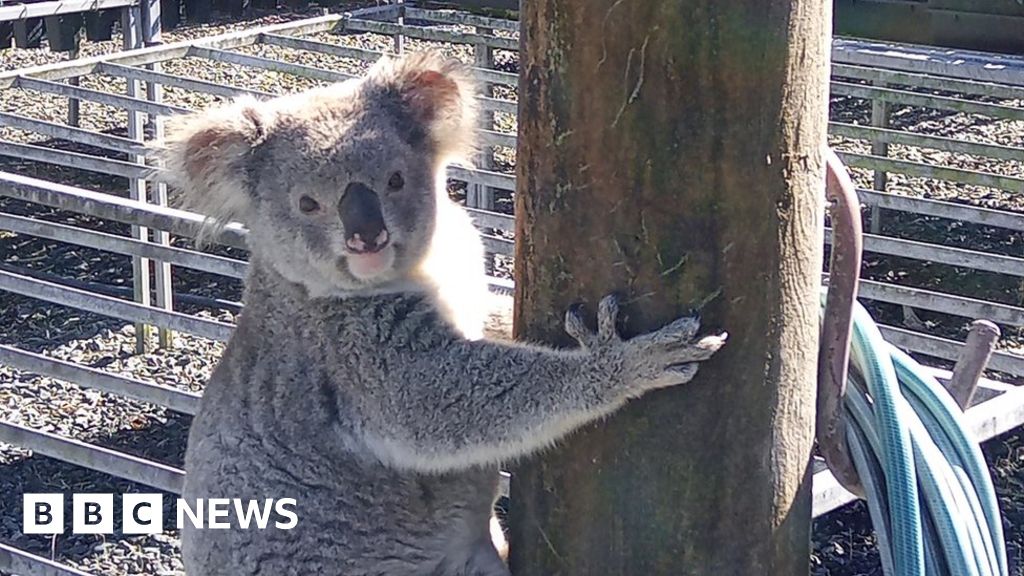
154,92
74,104
151,29
483,57
879,119
131,29
64,34
479,195
400,38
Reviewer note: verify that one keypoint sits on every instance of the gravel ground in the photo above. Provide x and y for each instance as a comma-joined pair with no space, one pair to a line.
843,540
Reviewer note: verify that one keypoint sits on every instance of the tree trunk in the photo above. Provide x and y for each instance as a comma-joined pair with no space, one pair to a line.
671,150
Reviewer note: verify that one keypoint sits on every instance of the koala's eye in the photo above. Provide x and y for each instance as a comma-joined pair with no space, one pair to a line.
396,181
307,205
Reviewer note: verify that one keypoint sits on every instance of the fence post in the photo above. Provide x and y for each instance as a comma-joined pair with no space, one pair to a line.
64,34
152,26
685,171
132,31
400,20
879,119
74,104
480,195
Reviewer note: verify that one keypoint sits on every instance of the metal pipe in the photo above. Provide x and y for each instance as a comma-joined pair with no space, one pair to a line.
294,43
268,64
161,53
123,245
390,29
489,137
940,302
113,307
116,208
952,63
890,136
17,561
834,352
73,160
938,253
463,18
62,132
130,103
121,291
486,177
949,349
489,219
166,79
943,209
80,453
920,169
918,80
164,396
908,98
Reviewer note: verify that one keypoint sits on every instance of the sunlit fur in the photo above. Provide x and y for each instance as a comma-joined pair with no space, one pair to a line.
252,161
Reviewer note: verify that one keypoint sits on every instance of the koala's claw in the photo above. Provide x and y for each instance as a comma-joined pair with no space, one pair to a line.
607,317
679,332
670,356
575,327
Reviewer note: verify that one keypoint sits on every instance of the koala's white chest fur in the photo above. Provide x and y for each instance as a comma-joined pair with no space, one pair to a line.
283,417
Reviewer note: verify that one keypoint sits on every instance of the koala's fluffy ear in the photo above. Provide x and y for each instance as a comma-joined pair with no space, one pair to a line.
437,92
205,155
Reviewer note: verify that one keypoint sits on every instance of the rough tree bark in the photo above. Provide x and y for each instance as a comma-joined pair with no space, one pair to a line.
671,150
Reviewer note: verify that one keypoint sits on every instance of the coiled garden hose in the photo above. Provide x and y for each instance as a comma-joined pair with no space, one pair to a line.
928,489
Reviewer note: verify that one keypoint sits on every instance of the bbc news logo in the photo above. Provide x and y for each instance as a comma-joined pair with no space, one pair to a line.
144,513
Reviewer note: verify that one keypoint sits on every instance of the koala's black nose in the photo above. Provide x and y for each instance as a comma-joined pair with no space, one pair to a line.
362,219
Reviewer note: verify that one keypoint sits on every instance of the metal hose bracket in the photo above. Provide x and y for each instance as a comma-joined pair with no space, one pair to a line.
834,351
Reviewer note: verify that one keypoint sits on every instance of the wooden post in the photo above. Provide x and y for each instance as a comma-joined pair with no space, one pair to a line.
671,150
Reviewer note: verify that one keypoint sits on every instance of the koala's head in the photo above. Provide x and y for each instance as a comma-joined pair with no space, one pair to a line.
339,186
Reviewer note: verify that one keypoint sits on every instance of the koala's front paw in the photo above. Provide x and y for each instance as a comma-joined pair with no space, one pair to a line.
668,356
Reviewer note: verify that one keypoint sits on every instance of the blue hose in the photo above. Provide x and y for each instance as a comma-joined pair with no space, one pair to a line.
929,491
896,453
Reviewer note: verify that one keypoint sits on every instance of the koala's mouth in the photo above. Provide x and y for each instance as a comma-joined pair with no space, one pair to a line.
356,244
369,265
369,251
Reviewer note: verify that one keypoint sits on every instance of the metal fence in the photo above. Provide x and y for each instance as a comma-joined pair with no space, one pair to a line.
888,76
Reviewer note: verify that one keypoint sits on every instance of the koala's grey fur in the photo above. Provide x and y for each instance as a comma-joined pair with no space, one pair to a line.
369,397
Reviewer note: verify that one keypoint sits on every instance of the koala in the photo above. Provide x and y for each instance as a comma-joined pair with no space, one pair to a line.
353,382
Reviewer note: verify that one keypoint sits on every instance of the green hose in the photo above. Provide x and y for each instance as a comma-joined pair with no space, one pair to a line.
929,492
869,356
